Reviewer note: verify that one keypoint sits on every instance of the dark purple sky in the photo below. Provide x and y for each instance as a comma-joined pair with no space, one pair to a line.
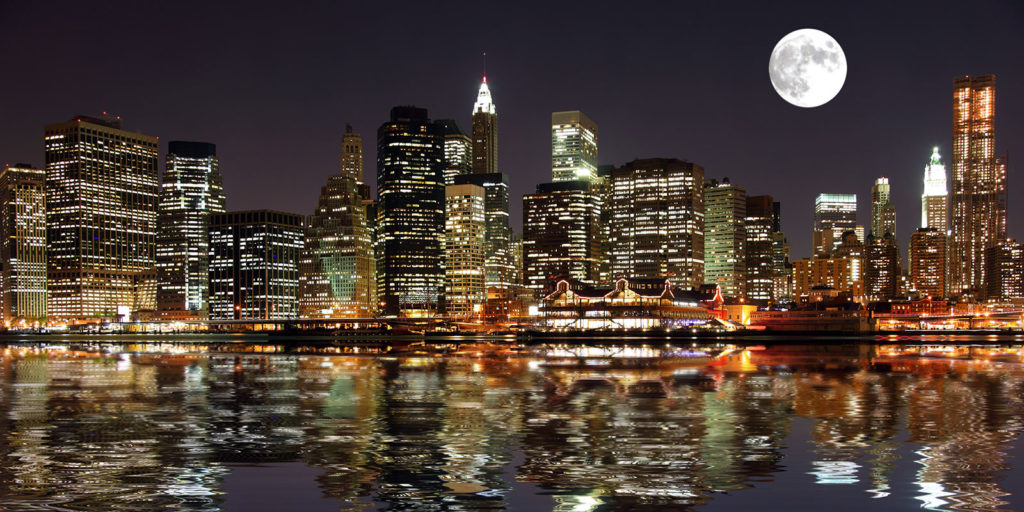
274,85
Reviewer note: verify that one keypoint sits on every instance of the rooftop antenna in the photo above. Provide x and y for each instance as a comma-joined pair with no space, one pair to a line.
485,67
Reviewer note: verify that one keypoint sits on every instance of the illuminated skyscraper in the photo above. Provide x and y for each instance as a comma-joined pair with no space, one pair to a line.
500,270
834,214
657,221
22,244
101,201
458,151
485,132
465,249
561,234
336,268
410,213
254,265
1005,262
759,247
192,190
573,147
883,213
928,262
881,268
725,238
935,199
978,182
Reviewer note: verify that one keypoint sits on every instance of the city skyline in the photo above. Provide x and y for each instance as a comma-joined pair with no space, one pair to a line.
619,96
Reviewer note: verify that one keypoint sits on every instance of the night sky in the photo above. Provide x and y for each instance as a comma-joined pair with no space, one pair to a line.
274,85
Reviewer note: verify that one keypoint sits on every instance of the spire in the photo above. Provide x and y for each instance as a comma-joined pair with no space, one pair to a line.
483,98
936,159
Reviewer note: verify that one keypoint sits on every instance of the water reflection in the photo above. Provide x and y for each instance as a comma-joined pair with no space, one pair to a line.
162,426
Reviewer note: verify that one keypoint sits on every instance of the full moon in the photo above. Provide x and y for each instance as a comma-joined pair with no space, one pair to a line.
807,68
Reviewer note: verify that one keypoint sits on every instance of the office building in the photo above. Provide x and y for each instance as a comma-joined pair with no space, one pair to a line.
465,250
977,183
485,132
500,273
254,265
1005,270
410,213
760,248
561,235
573,147
725,236
191,191
935,199
883,213
22,245
656,220
928,249
336,266
834,214
101,202
881,272
458,151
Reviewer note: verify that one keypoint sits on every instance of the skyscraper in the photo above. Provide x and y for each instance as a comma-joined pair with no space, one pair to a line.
978,183
410,203
22,245
928,262
935,199
881,268
254,257
573,147
101,199
192,190
561,234
336,267
883,213
458,151
500,273
657,221
485,132
465,249
759,247
725,236
834,214
1005,262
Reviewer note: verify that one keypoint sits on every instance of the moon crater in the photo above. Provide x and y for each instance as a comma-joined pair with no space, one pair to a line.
807,68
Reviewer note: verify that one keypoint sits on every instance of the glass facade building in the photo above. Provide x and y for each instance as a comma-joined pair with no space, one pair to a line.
834,214
192,189
458,151
500,274
760,255
410,210
561,235
101,201
254,258
465,249
337,270
883,213
22,245
725,236
573,147
1005,262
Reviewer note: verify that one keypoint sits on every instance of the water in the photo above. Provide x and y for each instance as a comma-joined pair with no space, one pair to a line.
255,427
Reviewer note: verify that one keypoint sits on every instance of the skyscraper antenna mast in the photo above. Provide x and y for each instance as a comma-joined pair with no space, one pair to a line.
485,67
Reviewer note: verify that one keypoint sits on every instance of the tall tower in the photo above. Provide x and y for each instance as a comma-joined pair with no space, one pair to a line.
978,182
935,199
23,245
410,213
759,226
465,249
573,147
725,251
656,216
101,198
336,266
561,234
192,190
485,132
883,213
